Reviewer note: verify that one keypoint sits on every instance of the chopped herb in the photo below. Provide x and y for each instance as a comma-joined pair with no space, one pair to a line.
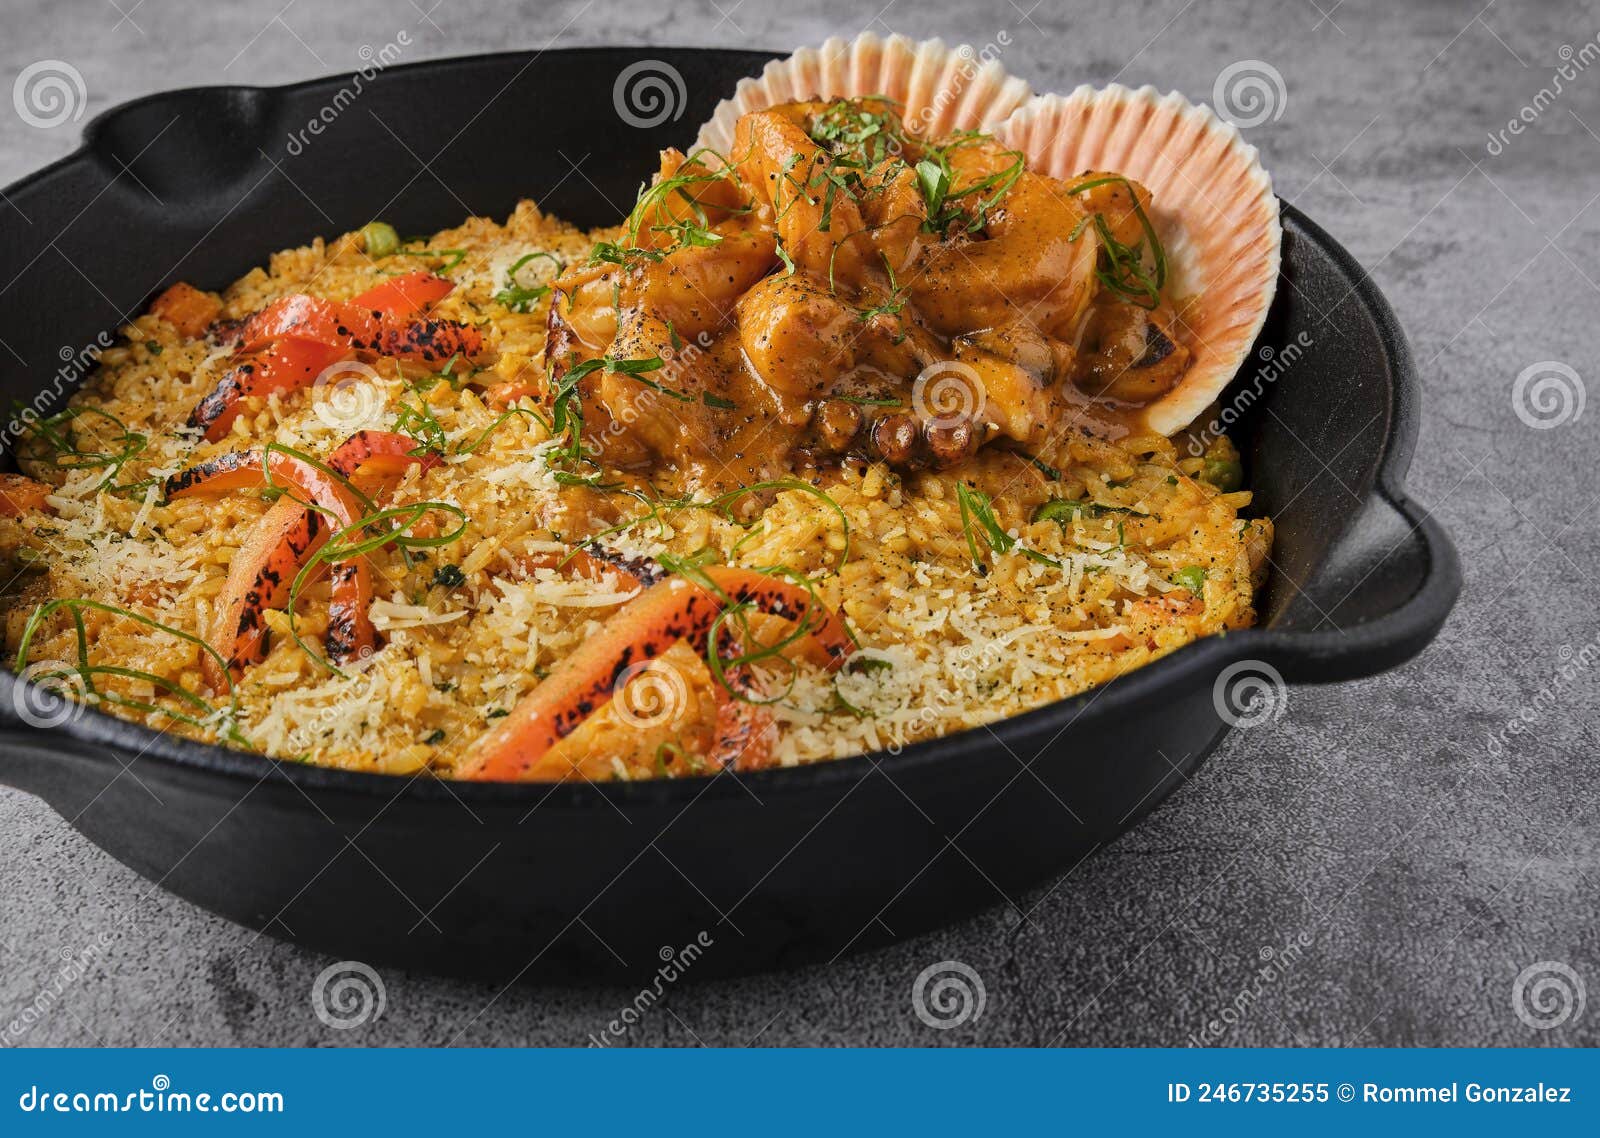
1191,577
1042,467
609,252
448,258
366,535
861,665
852,130
976,507
435,737
201,713
73,438
634,369
421,424
153,347
897,297
722,504
654,197
1123,270
449,576
518,298
730,630
1063,510
717,401
933,179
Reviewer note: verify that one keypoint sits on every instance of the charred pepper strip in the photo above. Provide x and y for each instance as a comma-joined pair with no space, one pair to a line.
744,731
423,341
677,608
285,366
594,562
262,574
291,341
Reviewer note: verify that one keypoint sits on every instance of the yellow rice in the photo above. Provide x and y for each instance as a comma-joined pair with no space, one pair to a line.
962,648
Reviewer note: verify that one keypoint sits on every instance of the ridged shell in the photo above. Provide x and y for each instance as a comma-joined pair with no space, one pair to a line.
1214,210
940,88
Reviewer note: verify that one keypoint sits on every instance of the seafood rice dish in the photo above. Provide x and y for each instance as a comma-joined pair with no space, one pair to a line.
861,428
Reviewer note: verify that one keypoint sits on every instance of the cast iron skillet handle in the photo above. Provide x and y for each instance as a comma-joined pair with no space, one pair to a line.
1382,596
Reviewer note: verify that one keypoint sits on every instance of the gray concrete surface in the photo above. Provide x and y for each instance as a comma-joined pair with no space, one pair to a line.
1421,868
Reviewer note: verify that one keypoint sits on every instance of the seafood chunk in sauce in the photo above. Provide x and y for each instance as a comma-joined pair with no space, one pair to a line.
837,285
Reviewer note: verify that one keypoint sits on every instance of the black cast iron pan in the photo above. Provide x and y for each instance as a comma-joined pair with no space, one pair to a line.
590,882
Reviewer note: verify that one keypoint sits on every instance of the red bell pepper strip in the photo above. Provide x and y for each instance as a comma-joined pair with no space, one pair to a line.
351,324
287,365
307,318
406,294
295,338
263,573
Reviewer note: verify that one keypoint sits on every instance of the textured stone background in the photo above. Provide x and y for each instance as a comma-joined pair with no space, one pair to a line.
1423,870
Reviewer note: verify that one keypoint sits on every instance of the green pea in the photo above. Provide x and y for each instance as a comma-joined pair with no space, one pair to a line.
1225,474
380,238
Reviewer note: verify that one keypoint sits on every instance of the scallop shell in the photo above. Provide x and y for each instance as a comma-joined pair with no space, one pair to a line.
1212,206
940,88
